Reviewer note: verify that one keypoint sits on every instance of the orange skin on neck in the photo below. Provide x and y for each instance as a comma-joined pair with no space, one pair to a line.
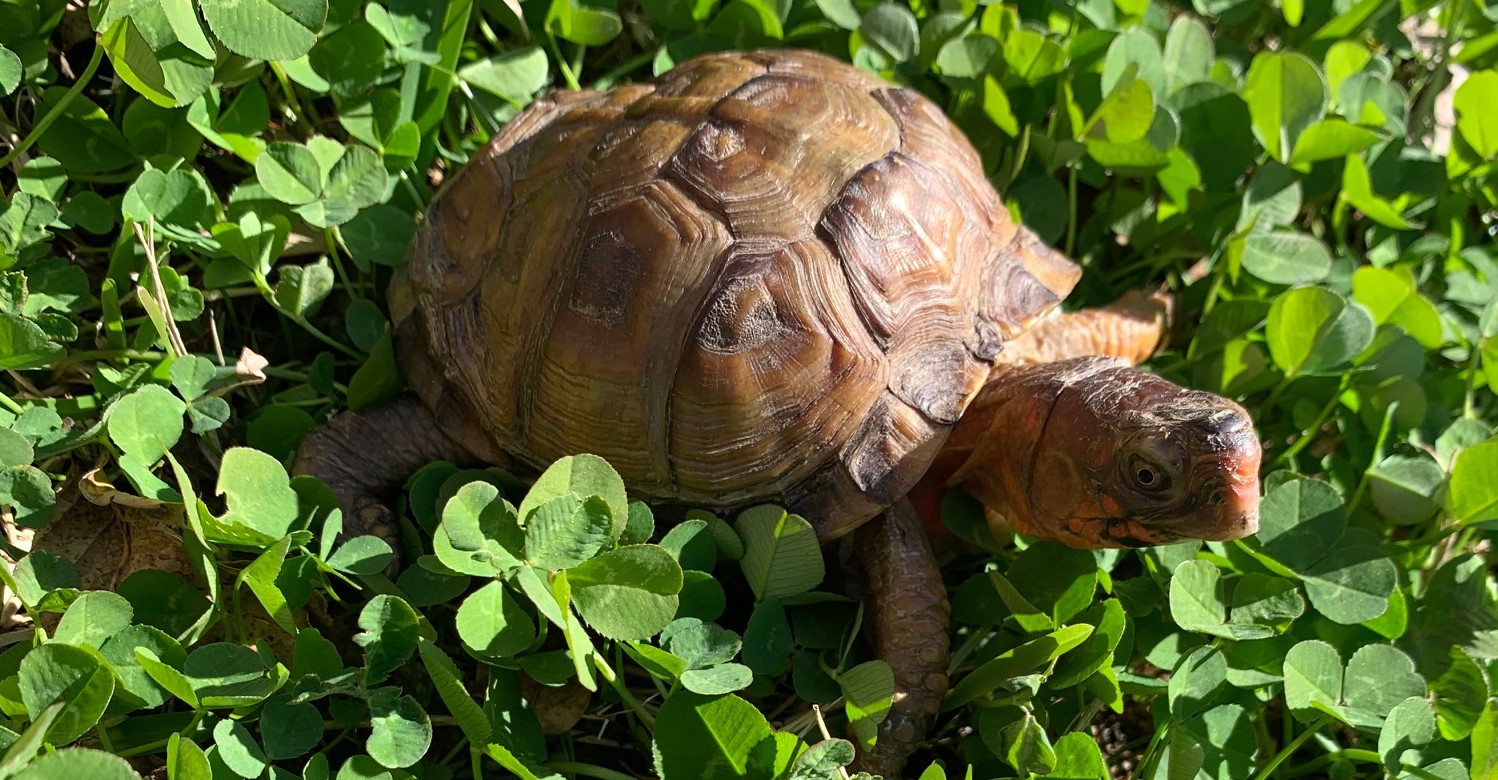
926,497
1049,450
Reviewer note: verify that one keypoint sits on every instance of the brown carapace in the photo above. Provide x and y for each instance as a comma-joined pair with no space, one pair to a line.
769,276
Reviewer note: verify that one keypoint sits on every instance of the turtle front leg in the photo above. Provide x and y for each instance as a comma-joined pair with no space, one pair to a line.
365,456
1131,328
906,606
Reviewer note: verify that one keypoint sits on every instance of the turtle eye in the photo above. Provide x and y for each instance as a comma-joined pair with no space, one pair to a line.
1148,476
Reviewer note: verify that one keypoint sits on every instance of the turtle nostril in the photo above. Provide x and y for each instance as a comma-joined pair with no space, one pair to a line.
1248,522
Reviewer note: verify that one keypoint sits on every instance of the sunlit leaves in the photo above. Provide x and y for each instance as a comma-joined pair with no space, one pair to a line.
1286,94
400,730
1313,330
266,29
1363,693
580,475
582,23
1476,105
1472,496
146,423
699,735
1347,577
150,55
630,593
492,623
892,28
238,749
479,534
73,676
282,152
1199,601
868,689
389,637
327,182
1391,297
781,553
257,491
1188,53
514,75
10,71
1285,257
79,762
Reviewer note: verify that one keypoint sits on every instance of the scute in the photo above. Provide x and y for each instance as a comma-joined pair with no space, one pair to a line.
646,260
780,372
764,276
766,159
898,230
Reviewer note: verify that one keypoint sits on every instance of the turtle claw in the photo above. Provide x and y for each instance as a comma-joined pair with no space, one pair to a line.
371,517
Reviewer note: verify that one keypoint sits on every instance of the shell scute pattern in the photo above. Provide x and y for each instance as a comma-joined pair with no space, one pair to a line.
762,276
610,357
773,153
779,336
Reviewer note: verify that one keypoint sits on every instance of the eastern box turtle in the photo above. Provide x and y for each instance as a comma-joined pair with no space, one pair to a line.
769,276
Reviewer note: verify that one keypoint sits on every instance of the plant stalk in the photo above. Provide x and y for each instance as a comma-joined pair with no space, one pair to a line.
62,104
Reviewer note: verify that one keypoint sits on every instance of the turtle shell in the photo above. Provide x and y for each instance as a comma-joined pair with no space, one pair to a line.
764,276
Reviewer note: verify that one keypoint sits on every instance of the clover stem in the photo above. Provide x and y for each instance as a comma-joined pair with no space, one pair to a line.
1469,404
1150,759
320,336
1310,434
334,241
457,748
488,32
623,69
269,295
197,717
567,74
411,189
103,734
62,104
587,770
113,354
577,61
966,648
624,694
298,376
1214,293
1290,749
1378,455
1350,754
1071,211
147,239
294,104
1017,163
233,616
10,403
1263,742
1279,389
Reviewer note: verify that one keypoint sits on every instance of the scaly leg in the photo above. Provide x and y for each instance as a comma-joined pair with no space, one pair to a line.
1132,328
364,456
906,605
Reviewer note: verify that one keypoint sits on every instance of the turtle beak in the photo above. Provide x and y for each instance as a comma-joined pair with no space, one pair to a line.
1233,512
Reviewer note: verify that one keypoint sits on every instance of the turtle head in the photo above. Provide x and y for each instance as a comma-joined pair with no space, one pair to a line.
1102,455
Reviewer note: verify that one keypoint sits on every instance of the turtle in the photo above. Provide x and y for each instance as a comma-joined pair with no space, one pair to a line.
769,276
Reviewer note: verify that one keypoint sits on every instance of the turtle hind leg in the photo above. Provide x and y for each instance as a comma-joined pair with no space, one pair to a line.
367,455
907,610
